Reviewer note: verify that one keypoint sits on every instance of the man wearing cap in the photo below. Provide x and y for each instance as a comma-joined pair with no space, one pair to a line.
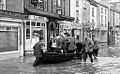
38,51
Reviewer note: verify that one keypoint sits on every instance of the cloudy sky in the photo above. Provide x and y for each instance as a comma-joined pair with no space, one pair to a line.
109,0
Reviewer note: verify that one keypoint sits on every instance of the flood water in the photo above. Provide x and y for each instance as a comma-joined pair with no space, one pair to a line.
104,65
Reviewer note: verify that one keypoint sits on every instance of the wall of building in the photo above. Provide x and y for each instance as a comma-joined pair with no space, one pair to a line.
73,9
67,7
93,18
14,5
117,20
86,11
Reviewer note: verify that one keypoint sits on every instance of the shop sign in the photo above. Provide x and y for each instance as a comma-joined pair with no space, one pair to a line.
79,26
38,17
12,14
89,25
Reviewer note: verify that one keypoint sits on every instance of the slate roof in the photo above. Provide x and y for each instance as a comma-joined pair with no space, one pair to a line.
92,2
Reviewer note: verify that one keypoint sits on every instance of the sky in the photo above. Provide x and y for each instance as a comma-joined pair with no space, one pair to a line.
108,0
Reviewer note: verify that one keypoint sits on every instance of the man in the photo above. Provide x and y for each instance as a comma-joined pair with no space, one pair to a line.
38,51
78,48
71,44
95,47
87,48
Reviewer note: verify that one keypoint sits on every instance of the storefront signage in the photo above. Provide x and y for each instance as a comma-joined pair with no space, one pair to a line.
37,17
12,14
79,26
65,26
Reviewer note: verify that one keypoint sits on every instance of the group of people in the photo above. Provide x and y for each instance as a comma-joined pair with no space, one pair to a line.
89,47
68,44
62,44
82,49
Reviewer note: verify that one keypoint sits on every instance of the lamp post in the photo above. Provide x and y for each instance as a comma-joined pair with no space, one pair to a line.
108,24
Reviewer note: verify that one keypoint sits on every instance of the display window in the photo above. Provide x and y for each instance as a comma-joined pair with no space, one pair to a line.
8,38
34,30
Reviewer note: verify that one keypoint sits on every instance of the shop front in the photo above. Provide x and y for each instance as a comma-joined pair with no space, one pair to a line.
35,27
11,34
65,27
77,30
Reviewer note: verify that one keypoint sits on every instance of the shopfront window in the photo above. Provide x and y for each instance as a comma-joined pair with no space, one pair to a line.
8,38
34,30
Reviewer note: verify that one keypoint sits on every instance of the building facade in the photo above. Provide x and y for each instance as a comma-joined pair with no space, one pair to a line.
76,12
11,28
89,17
93,18
103,22
47,18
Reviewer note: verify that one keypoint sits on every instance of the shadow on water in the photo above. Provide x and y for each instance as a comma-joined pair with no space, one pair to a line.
67,67
70,67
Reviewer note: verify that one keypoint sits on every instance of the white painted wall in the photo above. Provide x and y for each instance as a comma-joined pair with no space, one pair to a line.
104,16
73,9
95,15
117,18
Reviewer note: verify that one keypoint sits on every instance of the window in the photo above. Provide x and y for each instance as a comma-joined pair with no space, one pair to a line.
92,21
92,12
2,4
77,2
41,4
8,28
105,11
59,3
105,21
77,16
101,10
46,5
101,20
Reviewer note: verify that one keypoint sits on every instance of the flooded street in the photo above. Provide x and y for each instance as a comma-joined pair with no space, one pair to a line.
104,65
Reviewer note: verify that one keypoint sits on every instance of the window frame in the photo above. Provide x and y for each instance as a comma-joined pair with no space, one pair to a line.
2,4
101,10
77,16
77,3
93,12
101,20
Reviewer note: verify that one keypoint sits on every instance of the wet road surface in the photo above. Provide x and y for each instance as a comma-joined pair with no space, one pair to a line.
104,65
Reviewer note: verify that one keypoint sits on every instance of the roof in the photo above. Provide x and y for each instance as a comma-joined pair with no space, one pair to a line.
92,2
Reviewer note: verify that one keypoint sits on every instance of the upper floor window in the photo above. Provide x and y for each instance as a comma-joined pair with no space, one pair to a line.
2,4
93,12
105,21
101,10
77,2
101,20
77,16
59,3
46,5
38,3
105,11
92,21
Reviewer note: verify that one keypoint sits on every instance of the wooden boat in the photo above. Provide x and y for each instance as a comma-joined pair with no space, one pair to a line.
53,57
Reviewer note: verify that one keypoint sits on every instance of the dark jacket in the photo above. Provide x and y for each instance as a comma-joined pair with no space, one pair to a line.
72,44
96,44
38,52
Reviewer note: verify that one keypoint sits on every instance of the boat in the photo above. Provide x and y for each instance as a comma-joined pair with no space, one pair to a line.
53,57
